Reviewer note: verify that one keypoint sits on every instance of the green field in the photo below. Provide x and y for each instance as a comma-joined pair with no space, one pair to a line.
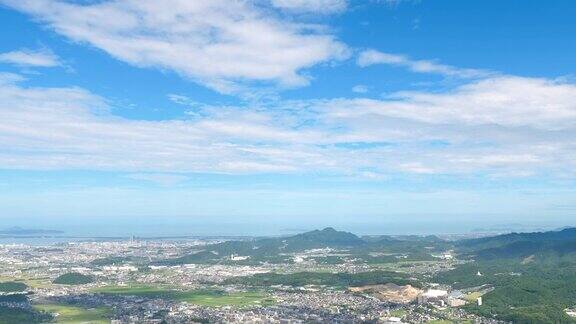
473,296
136,290
32,282
211,298
398,313
236,299
73,314
444,321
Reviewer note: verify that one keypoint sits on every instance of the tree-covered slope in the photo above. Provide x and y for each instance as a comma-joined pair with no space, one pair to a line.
533,275
73,278
272,248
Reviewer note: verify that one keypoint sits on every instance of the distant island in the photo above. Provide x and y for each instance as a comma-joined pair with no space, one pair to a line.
16,230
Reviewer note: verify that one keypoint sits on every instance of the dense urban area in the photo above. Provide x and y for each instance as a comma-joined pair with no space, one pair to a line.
318,276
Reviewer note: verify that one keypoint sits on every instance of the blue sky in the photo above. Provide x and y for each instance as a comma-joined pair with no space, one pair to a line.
288,112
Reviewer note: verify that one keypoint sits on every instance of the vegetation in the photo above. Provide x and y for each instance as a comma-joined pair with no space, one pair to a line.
73,278
544,246
11,315
109,261
33,282
12,286
74,314
202,257
270,249
394,258
14,298
275,250
324,278
212,298
398,313
143,291
533,275
325,237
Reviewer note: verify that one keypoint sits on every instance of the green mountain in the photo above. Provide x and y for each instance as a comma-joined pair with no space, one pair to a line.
538,245
73,278
533,275
327,237
272,249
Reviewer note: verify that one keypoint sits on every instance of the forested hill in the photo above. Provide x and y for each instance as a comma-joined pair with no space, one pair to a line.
499,240
538,246
278,249
273,248
533,275
327,237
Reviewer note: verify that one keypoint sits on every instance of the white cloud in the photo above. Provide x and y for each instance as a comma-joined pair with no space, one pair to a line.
500,101
504,126
30,58
314,6
10,78
70,128
396,3
371,57
219,43
360,88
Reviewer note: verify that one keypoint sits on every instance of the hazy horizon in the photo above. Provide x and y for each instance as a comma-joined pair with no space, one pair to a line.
159,227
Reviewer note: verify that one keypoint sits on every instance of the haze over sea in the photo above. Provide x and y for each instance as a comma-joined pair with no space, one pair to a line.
185,227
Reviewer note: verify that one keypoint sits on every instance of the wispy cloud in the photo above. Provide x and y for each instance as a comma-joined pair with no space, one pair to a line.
164,179
313,6
372,57
360,88
30,58
219,43
504,101
394,3
7,78
503,126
